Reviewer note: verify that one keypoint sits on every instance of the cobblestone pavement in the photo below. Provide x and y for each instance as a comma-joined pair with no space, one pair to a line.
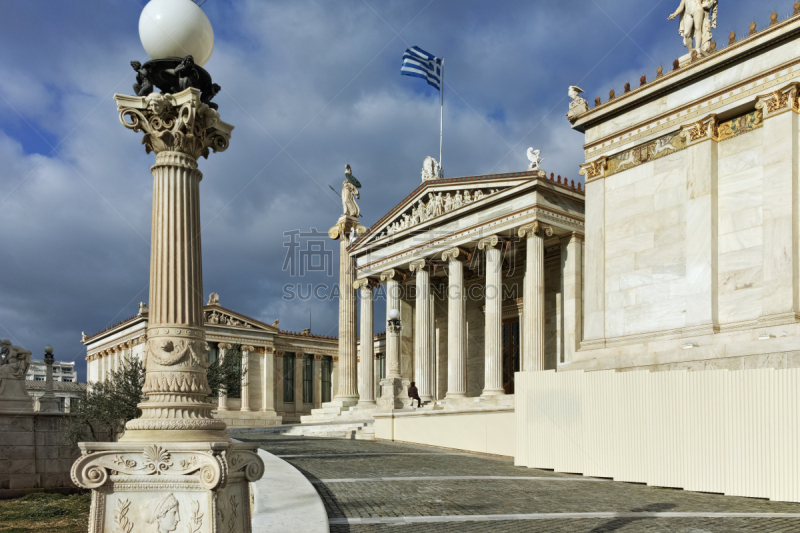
566,493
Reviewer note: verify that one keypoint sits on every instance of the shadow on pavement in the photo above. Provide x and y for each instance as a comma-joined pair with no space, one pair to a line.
619,523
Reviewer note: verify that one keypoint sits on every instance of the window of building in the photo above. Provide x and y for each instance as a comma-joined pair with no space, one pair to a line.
213,352
38,378
56,368
327,371
308,379
288,377
67,380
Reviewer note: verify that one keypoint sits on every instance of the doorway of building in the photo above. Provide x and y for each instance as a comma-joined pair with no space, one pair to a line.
510,353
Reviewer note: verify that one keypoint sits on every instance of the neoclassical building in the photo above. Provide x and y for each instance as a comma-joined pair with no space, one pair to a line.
486,273
287,374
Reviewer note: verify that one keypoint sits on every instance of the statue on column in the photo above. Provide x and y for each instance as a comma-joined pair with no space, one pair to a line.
697,18
350,193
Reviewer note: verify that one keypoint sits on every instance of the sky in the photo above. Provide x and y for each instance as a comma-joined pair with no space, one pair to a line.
310,86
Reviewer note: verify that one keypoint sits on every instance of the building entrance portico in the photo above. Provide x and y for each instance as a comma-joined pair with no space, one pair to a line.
479,287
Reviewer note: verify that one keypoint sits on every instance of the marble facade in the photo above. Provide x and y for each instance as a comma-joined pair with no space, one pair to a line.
691,252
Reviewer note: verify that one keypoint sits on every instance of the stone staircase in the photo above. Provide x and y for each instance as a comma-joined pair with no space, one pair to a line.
336,412
354,429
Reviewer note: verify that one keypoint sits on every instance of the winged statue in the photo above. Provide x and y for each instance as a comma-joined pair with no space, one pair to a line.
534,158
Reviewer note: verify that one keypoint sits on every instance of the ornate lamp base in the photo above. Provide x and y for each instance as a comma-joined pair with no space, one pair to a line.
394,395
185,487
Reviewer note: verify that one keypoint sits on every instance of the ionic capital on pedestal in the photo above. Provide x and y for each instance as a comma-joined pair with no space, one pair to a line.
493,241
224,346
318,357
535,228
705,129
335,358
299,355
279,353
247,348
343,226
594,169
456,254
177,122
392,275
365,283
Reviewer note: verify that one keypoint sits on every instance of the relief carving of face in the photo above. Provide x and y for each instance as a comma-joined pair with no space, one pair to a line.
169,522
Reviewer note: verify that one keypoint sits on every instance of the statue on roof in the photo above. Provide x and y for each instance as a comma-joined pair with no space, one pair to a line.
535,158
578,105
696,20
350,193
431,169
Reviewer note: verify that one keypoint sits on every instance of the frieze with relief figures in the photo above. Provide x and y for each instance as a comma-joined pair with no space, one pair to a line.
739,125
645,153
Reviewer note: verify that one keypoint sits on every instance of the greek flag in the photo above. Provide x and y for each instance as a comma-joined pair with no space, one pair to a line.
419,63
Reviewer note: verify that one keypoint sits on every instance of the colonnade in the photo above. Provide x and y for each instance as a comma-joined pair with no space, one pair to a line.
533,324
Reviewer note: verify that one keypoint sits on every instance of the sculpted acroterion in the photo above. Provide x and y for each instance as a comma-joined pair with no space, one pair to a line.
696,20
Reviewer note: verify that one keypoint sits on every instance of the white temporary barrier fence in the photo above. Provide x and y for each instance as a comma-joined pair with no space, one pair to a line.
731,432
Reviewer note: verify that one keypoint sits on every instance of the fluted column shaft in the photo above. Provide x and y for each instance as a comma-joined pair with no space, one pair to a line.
267,382
393,341
317,381
533,355
456,338
246,377
299,362
222,396
348,353
493,354
423,354
366,372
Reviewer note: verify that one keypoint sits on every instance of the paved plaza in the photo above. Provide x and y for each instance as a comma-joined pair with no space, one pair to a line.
382,486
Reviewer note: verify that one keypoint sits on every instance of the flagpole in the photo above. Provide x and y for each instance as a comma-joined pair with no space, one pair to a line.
441,123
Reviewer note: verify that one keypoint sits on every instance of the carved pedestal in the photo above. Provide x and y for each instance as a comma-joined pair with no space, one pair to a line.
189,488
394,395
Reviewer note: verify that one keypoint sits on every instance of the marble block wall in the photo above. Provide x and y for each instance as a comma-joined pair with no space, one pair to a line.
33,456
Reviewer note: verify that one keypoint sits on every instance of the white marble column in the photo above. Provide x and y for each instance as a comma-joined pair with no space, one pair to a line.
423,353
222,399
267,382
317,397
366,371
278,359
779,298
493,377
299,359
246,350
571,280
391,279
347,393
595,259
456,324
533,356
701,220
335,374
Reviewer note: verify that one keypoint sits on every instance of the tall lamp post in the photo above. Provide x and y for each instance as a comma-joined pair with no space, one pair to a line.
175,466
48,403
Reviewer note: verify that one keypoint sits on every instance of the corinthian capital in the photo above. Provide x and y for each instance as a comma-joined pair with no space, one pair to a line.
177,122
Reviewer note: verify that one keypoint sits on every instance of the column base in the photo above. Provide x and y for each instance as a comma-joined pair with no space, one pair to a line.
195,487
49,405
368,404
455,395
345,401
492,392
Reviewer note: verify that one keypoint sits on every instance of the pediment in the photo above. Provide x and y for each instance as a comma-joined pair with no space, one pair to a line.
439,200
215,315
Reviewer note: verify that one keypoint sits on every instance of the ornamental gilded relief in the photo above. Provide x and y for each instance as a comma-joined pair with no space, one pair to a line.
644,153
739,125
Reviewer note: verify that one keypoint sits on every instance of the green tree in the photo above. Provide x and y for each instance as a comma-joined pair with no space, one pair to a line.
226,374
105,408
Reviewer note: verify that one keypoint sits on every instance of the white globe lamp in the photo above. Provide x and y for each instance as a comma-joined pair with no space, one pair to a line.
394,314
176,28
